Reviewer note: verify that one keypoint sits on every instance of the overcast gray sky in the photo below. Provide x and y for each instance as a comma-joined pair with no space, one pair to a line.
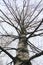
10,29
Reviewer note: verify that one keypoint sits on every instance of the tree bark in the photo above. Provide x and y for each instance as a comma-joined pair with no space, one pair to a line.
22,53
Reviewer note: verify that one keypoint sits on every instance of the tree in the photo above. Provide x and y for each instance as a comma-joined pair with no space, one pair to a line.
27,26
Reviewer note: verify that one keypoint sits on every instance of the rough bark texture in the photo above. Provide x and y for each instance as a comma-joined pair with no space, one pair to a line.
22,52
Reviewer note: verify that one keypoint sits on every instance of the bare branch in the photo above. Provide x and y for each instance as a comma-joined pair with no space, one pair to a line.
40,30
36,55
7,53
35,29
3,28
36,8
40,34
8,48
12,36
35,17
10,24
6,17
27,7
13,13
34,48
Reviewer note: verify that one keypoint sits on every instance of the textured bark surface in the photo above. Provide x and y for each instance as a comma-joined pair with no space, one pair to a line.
22,52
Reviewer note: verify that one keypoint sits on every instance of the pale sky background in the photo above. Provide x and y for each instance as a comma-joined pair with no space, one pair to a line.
39,40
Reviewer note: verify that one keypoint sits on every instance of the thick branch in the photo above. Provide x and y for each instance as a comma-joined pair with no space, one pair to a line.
36,55
8,48
40,30
40,34
7,53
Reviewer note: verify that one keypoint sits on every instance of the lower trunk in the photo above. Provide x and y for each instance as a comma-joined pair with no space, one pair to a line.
22,53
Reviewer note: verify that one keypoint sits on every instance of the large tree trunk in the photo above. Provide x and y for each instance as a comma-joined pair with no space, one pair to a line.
22,53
